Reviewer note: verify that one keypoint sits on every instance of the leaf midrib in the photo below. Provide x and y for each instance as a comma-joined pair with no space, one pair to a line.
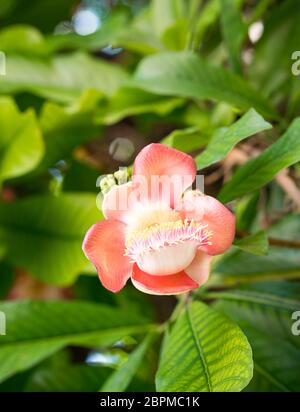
199,349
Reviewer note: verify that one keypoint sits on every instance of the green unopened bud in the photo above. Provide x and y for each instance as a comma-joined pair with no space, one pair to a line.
111,181
121,175
107,183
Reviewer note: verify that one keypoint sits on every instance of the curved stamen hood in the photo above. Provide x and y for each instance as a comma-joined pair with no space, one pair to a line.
177,242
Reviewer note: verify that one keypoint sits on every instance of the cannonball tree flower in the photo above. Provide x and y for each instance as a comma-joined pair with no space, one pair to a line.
157,231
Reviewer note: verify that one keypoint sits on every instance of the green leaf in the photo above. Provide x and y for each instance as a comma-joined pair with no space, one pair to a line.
61,78
261,170
21,143
224,139
175,37
238,266
234,32
188,75
264,313
43,234
69,378
256,244
32,44
187,140
130,101
36,330
204,352
119,380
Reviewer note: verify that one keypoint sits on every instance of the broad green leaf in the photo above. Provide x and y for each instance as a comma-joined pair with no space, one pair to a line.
261,170
32,44
61,78
69,378
21,143
204,352
35,330
256,244
43,234
239,266
119,380
264,312
130,101
187,74
223,140
187,140
234,32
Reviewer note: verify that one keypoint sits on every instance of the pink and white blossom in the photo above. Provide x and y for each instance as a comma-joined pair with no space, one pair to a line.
157,231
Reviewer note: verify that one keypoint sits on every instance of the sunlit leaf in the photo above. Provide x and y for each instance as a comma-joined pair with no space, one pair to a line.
187,74
21,143
259,171
204,352
223,140
264,313
62,78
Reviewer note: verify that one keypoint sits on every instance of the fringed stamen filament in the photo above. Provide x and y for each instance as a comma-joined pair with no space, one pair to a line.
162,235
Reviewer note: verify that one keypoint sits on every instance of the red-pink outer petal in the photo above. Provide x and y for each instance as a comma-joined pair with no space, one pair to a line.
162,285
219,220
160,160
199,269
104,246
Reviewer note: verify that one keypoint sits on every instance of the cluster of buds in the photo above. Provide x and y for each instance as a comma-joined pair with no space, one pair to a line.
118,178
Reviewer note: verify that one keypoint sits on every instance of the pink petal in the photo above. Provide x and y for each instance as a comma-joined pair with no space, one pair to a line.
219,220
118,202
162,285
104,246
163,173
199,269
